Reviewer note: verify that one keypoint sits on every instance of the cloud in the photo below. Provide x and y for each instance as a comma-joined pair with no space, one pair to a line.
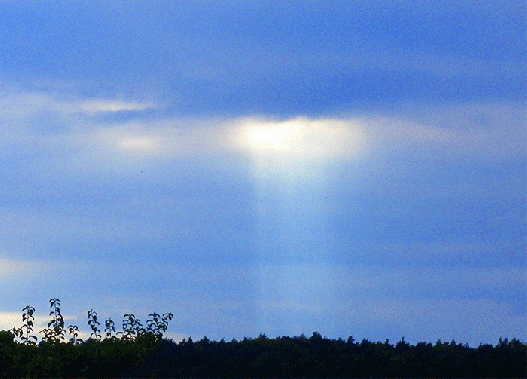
423,320
10,320
380,302
444,253
324,283
19,103
459,131
113,288
265,58
94,106
11,268
299,137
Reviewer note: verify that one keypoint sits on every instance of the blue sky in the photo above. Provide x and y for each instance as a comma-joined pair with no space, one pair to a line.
346,167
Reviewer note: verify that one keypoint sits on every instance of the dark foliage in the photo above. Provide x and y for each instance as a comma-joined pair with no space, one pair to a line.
143,352
148,356
321,357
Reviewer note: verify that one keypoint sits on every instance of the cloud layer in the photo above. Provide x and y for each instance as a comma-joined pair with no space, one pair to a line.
267,167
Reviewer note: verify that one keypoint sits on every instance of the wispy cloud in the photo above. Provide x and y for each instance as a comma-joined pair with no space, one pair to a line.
464,130
95,106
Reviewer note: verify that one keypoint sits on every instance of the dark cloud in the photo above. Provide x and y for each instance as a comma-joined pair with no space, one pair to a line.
284,59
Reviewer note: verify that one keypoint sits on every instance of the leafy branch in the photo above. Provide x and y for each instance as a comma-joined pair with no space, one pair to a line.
55,330
156,325
94,324
132,327
24,331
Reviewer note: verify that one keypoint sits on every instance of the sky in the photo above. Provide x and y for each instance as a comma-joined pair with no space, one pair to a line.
354,168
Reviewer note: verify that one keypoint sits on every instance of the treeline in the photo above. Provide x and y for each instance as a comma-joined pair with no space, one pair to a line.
140,351
146,356
321,357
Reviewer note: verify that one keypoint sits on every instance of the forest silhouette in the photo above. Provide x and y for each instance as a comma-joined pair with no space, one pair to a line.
142,351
